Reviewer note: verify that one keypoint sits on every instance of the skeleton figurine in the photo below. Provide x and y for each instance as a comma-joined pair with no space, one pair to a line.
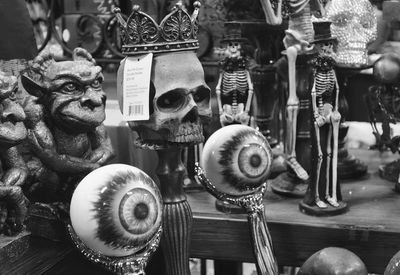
297,42
13,204
325,92
234,88
65,114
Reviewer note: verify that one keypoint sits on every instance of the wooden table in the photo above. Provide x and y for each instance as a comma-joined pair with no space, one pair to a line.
371,229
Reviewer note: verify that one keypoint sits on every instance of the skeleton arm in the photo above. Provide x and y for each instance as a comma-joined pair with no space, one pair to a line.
250,95
314,101
101,144
336,108
272,17
292,56
218,92
319,119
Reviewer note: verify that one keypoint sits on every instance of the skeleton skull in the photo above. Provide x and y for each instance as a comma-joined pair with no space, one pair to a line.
233,49
354,24
179,97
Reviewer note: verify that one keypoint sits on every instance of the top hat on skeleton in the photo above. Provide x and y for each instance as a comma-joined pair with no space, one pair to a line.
233,33
322,32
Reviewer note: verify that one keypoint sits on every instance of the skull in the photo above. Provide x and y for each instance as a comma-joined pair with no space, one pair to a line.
355,25
233,49
179,98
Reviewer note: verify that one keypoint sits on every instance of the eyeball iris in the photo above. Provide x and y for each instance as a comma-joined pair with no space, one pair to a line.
236,159
252,160
137,211
116,210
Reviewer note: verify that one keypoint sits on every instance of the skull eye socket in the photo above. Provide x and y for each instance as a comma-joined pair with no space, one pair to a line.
172,100
366,22
202,94
341,20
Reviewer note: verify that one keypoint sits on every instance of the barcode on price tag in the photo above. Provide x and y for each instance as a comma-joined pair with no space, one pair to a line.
136,87
135,110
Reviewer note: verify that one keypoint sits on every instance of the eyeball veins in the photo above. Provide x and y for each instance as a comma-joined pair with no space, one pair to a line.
237,159
116,210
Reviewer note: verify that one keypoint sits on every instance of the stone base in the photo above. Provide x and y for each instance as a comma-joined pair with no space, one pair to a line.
228,208
13,248
47,221
289,185
314,210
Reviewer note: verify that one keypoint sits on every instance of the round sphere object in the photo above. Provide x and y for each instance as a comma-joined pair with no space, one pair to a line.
236,159
116,210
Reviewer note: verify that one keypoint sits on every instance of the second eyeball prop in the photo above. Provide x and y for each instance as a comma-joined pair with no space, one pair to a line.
236,159
116,210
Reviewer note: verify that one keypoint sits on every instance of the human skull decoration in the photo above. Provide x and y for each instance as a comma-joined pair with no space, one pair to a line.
355,25
233,49
179,101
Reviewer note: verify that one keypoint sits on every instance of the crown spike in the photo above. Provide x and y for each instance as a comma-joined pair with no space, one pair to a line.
179,5
176,32
117,12
195,13
136,8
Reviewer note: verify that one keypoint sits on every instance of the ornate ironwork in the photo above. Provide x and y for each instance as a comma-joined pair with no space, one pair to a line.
133,264
176,32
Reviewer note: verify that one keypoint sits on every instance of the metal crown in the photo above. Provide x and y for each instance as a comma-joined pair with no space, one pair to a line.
176,32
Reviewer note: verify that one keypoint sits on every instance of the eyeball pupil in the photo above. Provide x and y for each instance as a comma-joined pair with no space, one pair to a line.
255,160
141,211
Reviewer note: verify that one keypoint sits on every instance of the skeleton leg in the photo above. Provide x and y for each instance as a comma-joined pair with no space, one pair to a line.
335,120
328,161
318,201
292,109
331,200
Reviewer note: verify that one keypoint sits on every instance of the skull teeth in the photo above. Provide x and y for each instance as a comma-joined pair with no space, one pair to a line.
188,134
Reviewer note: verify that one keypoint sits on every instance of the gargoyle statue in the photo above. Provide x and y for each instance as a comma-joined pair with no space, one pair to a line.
65,111
13,170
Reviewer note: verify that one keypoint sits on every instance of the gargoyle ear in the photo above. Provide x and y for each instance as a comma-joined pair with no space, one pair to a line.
82,54
31,86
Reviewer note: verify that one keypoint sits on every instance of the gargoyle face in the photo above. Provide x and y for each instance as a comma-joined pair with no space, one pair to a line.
12,129
70,90
179,99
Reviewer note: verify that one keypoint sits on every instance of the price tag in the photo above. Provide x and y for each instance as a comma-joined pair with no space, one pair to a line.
136,87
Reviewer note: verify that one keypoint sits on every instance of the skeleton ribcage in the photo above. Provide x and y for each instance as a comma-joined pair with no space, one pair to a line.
324,86
233,83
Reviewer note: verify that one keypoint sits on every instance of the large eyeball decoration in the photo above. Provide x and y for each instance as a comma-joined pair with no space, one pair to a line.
236,159
116,210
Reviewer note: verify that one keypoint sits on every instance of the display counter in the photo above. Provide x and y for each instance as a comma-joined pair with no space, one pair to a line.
371,229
